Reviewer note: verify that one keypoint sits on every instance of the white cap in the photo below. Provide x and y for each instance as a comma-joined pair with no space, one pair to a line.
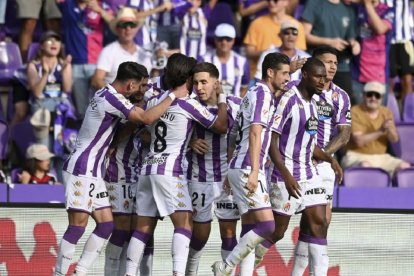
374,86
289,25
39,152
225,29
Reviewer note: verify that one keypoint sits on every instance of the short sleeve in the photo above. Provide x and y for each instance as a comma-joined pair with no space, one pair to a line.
309,11
118,105
344,110
198,112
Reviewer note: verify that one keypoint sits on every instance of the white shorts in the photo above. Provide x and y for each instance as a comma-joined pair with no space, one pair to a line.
122,197
203,195
327,178
160,195
225,207
84,193
244,199
313,194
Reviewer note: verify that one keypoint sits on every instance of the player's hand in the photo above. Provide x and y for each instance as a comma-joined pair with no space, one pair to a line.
226,186
219,89
292,187
338,170
339,44
297,64
252,181
199,146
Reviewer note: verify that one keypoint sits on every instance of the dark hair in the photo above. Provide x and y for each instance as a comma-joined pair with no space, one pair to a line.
324,49
179,68
131,70
311,64
207,67
30,166
274,61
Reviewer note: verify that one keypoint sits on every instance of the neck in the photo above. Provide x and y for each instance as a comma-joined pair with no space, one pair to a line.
289,52
279,16
128,45
305,92
223,55
39,173
269,84
180,88
212,101
370,111
327,85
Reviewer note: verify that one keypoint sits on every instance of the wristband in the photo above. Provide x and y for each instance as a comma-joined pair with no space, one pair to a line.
222,99
172,96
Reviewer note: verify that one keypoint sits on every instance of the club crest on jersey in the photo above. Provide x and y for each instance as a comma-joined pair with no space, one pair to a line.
126,204
335,96
311,126
286,206
325,110
266,198
90,203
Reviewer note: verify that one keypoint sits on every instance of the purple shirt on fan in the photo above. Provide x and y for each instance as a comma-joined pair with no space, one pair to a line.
248,3
296,121
171,134
212,166
105,111
257,107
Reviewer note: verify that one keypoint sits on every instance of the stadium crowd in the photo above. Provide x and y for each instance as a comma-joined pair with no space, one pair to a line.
198,107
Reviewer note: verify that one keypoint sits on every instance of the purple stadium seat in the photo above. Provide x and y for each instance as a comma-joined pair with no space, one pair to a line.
4,136
404,148
405,178
366,178
13,175
10,61
408,112
33,48
22,135
392,104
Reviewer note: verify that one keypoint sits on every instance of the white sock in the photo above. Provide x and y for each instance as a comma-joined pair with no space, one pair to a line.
145,269
112,259
193,261
122,263
134,255
179,250
91,251
319,259
247,264
246,244
64,258
225,254
301,258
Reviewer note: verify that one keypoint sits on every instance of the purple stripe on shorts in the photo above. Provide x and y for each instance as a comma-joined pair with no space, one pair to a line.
183,231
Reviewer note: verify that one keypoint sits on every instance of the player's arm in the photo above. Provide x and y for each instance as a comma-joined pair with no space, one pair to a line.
147,117
220,124
340,140
255,145
98,79
319,154
291,184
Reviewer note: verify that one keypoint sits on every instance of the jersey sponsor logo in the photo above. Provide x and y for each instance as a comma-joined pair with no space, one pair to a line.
316,191
194,34
226,205
311,126
156,160
325,110
348,115
93,104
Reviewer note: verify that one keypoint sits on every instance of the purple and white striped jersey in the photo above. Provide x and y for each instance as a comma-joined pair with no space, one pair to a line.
334,108
171,133
103,115
147,34
212,166
296,121
166,18
234,74
257,107
193,34
123,163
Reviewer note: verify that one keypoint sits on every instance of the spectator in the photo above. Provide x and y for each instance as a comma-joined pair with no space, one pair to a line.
37,166
372,129
233,68
263,32
28,12
249,10
332,23
83,37
168,25
123,49
49,75
288,35
401,56
375,21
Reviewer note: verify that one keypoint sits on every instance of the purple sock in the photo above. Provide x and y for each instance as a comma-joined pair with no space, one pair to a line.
246,228
73,233
184,232
196,244
144,237
265,228
119,237
104,229
311,239
149,246
228,243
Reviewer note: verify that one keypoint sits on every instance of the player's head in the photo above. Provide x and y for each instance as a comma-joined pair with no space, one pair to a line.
314,76
131,75
179,70
329,57
205,80
275,70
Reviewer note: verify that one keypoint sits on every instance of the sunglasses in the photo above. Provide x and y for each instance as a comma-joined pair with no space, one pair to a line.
373,94
290,32
274,1
124,25
226,38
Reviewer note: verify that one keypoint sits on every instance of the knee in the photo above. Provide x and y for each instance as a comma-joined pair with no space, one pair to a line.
73,233
104,229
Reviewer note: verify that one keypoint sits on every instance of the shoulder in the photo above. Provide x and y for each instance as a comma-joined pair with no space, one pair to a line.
234,100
